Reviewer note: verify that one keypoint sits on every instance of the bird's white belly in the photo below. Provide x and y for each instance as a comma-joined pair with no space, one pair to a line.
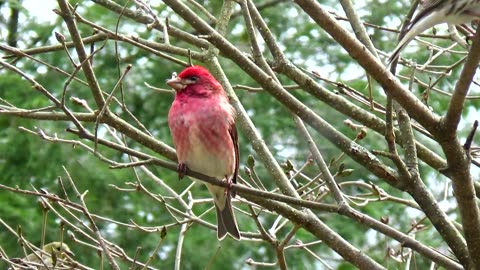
201,158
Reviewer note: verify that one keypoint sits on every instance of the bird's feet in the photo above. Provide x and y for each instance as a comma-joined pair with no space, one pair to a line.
182,170
229,186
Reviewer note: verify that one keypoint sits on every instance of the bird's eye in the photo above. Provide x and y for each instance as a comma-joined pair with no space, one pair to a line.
193,78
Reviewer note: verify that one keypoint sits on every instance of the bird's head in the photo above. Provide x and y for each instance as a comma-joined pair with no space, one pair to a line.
58,250
195,81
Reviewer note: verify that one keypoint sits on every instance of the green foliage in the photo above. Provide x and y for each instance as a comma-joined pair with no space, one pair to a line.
28,161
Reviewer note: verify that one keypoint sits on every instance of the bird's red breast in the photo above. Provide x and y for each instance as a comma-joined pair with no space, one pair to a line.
200,120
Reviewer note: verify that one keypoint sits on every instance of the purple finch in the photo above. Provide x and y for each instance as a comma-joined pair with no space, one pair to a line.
202,124
434,12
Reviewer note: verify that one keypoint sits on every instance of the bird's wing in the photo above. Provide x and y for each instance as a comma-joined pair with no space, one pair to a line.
234,135
417,25
430,3
426,8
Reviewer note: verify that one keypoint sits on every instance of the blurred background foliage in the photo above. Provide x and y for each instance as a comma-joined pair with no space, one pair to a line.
27,161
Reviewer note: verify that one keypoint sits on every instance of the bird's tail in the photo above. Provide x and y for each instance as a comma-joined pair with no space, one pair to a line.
418,25
396,52
226,220
401,45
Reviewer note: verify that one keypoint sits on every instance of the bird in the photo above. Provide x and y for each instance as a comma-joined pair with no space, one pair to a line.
48,259
435,12
202,124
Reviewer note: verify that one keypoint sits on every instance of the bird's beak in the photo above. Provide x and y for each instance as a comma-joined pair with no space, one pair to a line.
69,253
177,84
